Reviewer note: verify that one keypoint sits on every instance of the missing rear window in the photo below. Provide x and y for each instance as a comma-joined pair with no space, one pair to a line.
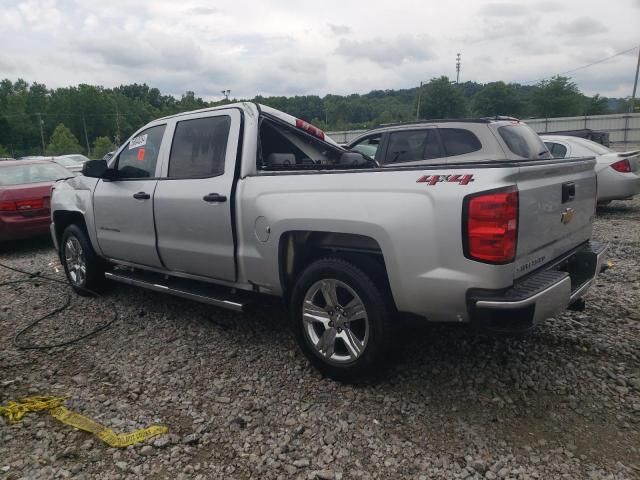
283,148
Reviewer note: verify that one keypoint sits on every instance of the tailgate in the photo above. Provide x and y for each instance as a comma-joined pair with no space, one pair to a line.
557,206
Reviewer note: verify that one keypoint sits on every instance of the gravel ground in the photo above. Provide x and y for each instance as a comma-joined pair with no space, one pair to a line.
240,400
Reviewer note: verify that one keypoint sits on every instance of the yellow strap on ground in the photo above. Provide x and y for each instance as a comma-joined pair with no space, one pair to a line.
14,411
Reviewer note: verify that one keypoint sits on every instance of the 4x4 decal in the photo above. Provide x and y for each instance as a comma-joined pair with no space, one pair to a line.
434,179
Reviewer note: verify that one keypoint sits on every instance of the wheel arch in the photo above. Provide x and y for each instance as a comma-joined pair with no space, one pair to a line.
299,248
63,218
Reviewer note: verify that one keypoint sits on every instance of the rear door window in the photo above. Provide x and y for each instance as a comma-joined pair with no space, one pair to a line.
199,147
413,145
140,155
457,141
523,141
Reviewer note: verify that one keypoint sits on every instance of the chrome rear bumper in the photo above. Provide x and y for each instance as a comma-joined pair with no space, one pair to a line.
540,295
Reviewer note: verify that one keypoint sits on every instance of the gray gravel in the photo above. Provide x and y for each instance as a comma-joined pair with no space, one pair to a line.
240,401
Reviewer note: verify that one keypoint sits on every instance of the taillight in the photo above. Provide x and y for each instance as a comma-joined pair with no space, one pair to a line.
491,226
31,204
622,166
22,205
7,206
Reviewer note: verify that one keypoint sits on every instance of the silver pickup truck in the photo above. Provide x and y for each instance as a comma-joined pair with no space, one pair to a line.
222,204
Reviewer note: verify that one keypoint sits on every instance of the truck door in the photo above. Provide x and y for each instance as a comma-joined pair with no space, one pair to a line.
123,207
193,199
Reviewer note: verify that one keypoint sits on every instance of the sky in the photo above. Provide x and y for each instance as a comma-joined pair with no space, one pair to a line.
292,47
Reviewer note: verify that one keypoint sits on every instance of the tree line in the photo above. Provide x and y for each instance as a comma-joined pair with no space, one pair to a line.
93,120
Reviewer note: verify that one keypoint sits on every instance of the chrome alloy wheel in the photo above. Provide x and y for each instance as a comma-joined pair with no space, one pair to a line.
335,321
76,261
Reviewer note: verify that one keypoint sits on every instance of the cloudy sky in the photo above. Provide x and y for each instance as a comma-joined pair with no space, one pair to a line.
289,47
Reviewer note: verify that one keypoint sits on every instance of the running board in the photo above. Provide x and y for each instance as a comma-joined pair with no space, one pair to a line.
189,289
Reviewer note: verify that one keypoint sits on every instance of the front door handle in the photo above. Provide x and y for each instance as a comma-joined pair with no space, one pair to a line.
214,197
141,196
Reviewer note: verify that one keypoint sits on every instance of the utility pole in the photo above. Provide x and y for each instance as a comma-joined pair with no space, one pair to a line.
419,98
41,132
117,138
635,86
458,62
86,137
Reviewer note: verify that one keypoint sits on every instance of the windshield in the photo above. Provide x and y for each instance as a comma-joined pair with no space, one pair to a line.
523,141
32,173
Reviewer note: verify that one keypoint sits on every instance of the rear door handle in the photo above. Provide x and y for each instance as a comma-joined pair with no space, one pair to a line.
214,197
141,196
568,192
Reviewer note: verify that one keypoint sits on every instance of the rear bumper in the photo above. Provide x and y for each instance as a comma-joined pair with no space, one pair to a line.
614,185
540,295
17,227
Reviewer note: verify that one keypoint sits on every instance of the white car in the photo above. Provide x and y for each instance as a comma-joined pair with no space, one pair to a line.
618,172
71,162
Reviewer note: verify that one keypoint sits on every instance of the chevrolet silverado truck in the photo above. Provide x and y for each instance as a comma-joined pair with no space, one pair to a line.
223,204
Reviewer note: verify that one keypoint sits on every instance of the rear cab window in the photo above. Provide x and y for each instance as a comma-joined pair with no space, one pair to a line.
522,141
286,148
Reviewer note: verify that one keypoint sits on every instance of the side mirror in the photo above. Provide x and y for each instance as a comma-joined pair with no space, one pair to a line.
94,168
98,169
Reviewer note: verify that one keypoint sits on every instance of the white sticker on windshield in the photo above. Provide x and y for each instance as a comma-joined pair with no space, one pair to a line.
139,141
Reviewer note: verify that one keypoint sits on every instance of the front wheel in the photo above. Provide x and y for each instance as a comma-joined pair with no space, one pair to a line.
84,269
341,318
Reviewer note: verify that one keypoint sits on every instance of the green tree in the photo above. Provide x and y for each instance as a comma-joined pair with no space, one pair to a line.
596,105
558,97
497,98
101,146
441,99
4,152
63,142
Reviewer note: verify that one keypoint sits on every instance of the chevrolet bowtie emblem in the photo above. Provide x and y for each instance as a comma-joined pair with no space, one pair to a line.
567,216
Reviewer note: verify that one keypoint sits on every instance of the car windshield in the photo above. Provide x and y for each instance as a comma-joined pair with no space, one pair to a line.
32,173
593,146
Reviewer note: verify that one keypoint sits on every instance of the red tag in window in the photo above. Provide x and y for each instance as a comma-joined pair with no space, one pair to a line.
141,154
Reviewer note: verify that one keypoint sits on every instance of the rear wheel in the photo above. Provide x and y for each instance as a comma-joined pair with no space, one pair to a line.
341,318
84,269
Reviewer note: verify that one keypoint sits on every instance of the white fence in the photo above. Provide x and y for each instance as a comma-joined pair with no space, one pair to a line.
623,128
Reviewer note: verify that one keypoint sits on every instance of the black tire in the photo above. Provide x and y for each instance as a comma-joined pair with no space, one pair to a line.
377,302
93,281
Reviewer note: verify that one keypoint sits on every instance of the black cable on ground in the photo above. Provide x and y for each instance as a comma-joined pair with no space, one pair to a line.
35,277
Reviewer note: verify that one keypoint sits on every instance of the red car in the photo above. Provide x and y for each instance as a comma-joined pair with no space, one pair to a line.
25,194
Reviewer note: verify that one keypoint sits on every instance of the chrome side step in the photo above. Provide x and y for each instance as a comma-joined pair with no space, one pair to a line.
191,290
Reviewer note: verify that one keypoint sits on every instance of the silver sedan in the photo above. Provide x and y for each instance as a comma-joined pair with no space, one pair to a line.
618,172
